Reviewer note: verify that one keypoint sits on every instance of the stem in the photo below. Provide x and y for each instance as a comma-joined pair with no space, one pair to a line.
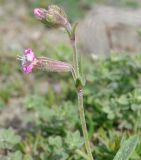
79,90
75,57
83,123
73,44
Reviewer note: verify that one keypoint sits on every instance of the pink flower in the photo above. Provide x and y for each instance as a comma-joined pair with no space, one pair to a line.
40,13
28,61
28,68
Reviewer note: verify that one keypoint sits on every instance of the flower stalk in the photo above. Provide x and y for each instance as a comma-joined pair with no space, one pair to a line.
79,88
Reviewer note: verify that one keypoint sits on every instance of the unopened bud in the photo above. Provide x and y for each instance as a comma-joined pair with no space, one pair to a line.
53,16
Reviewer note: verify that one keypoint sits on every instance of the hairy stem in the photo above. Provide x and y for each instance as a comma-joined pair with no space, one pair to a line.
73,44
83,123
79,90
75,58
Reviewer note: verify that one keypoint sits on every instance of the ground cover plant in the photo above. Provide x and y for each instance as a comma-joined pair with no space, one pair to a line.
113,108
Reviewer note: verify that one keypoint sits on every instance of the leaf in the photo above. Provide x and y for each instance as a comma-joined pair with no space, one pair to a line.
55,141
34,101
8,138
74,140
27,157
12,156
123,100
16,156
57,148
127,148
72,32
74,29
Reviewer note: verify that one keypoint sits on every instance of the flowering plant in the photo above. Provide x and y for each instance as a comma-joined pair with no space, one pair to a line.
54,16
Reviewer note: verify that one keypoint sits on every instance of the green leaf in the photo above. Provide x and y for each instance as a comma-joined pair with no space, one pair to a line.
13,156
74,140
16,156
55,141
27,157
73,30
127,148
56,146
8,138
123,100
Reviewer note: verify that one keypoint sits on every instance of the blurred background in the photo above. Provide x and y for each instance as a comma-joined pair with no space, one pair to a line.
109,40
104,25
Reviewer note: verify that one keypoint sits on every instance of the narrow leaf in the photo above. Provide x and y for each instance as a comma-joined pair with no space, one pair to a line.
127,148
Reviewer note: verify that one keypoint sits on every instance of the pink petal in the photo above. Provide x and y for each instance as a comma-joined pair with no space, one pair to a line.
30,56
40,13
37,12
28,69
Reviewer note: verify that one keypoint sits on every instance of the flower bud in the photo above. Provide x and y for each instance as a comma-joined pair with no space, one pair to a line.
53,16
40,14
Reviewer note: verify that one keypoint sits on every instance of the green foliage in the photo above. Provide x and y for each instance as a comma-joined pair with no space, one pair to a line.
74,140
112,97
113,90
8,139
57,117
55,124
112,104
17,155
127,148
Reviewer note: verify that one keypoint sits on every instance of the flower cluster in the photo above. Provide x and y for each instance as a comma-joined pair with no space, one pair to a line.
55,17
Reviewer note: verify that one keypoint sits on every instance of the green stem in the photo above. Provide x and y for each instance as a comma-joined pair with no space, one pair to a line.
73,44
75,58
83,123
79,90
